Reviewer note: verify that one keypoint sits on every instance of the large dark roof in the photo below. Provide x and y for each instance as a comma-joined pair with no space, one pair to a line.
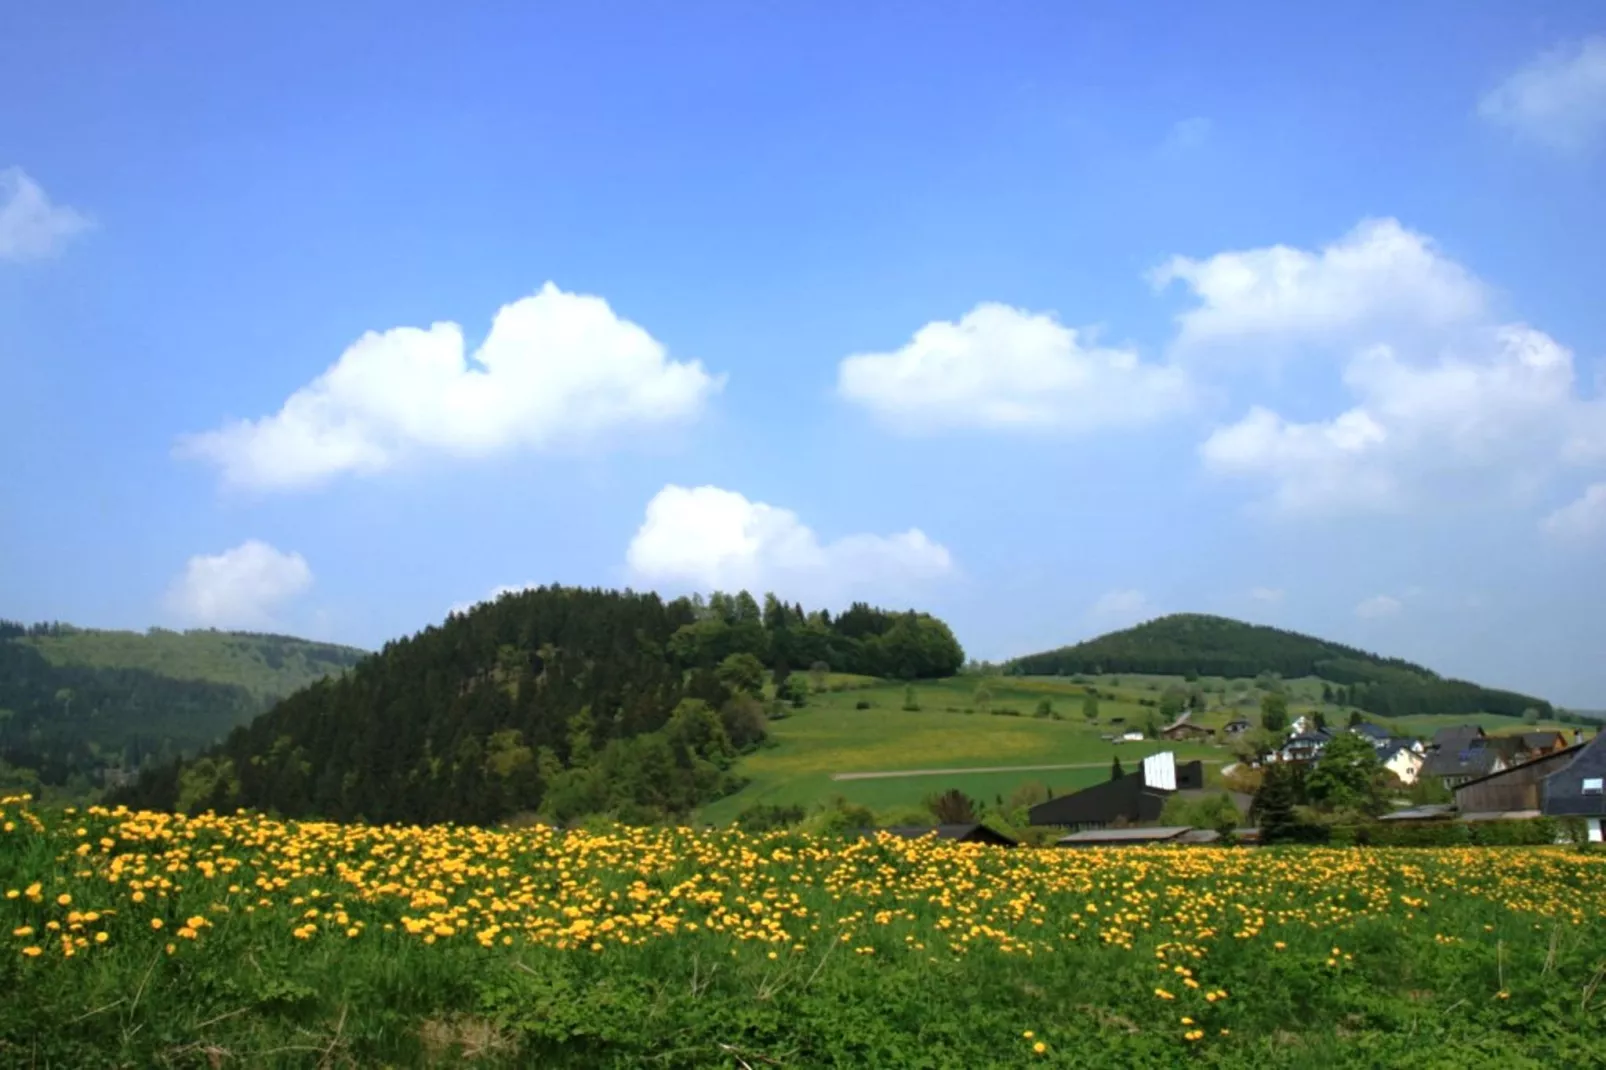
1563,791
971,833
1473,759
1457,736
1371,731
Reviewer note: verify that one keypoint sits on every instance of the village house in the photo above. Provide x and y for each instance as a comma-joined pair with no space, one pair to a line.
1237,726
1375,733
1305,746
1461,753
1182,728
1401,758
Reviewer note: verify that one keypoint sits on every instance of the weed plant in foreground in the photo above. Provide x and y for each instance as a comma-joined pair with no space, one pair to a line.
144,939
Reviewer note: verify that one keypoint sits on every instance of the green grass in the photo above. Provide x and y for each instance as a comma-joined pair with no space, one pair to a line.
245,942
831,736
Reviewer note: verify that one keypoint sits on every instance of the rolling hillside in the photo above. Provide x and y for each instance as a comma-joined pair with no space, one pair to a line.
76,702
1188,644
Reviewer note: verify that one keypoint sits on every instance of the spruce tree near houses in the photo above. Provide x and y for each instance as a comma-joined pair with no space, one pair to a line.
1115,768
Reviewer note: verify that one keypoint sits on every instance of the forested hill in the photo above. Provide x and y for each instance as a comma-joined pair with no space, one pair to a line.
76,703
268,666
556,700
1189,643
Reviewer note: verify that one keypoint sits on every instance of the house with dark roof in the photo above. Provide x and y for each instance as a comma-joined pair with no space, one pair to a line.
1461,753
1548,742
1133,799
1305,746
1578,789
1237,726
1127,837
1400,757
971,833
1375,733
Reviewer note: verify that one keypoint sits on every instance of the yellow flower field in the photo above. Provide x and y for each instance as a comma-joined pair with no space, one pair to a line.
1042,952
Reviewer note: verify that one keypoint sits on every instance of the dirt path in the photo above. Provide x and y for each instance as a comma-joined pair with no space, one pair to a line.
983,769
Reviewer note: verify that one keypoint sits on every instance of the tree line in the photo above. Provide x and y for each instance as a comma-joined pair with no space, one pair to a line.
556,701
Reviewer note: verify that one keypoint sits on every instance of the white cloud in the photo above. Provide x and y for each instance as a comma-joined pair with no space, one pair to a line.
1379,605
1380,275
1504,411
1122,607
31,227
239,588
706,538
1559,99
557,368
1269,595
496,592
1003,368
1580,519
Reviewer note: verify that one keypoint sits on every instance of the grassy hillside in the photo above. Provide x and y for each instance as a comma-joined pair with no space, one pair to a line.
833,736
1192,645
268,666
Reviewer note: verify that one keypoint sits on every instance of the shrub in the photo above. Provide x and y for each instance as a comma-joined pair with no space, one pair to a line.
863,704
762,817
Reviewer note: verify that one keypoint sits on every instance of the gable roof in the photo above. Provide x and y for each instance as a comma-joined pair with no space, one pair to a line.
1563,791
1456,736
1370,731
1391,746
1536,740
1137,835
1472,759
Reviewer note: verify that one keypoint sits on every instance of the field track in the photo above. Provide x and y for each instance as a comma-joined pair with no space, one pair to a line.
890,774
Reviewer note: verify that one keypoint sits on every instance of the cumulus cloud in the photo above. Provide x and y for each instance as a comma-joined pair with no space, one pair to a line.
1380,275
1379,605
31,227
1558,99
1581,519
238,588
1444,402
557,368
707,538
1268,595
1003,368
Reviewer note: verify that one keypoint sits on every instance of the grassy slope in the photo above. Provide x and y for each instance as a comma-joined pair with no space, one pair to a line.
266,666
831,736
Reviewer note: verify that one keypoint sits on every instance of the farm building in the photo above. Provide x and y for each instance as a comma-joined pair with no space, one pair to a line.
1131,837
1183,728
1237,726
1132,799
1578,789
1518,787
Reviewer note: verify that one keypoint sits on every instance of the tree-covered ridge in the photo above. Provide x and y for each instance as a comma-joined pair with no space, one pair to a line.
1191,643
76,702
561,700
64,724
268,666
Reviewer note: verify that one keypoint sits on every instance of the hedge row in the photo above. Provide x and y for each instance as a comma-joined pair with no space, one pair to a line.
1533,832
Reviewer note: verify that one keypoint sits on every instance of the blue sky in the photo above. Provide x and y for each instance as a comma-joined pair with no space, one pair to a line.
1048,318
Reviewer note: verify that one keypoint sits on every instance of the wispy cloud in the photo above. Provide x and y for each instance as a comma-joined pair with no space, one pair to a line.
31,227
1558,99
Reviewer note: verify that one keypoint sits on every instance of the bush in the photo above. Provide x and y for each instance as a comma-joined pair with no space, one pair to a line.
763,817
863,704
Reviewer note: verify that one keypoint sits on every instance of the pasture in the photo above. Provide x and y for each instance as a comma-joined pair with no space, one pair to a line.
137,939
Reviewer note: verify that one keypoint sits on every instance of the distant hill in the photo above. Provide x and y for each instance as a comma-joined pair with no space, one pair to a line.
75,702
1191,643
560,700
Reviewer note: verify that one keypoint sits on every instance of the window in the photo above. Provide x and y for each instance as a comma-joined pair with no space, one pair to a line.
1592,785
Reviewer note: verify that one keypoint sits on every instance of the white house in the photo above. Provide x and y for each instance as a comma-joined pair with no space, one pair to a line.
1399,758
